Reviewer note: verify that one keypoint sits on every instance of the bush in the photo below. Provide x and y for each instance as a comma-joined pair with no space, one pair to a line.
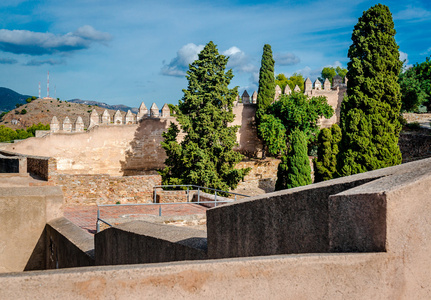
23,112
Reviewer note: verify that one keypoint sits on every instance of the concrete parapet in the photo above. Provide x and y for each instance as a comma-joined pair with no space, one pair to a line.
24,211
118,118
340,215
143,242
154,111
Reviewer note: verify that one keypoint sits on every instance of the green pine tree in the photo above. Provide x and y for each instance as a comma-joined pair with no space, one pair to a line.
266,90
294,169
325,165
205,156
370,111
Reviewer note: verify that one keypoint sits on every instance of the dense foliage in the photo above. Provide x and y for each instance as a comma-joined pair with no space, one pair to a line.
294,169
291,123
325,165
266,90
205,156
370,112
331,72
415,85
295,80
8,134
290,112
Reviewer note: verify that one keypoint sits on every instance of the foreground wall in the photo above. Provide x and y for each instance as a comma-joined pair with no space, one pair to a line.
401,271
24,211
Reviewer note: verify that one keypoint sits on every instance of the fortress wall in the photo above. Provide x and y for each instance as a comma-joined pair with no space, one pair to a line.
106,189
98,151
334,97
402,271
24,211
249,144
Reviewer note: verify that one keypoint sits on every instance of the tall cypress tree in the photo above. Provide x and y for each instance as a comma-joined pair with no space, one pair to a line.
266,90
294,169
205,157
325,165
370,111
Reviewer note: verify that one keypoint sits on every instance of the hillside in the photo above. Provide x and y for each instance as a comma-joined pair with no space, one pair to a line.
107,106
8,99
42,111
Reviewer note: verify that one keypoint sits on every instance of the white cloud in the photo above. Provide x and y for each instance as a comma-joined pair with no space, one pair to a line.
412,13
405,59
286,59
180,64
428,51
239,61
39,43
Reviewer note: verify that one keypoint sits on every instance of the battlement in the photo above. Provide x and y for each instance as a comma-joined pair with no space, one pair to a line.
106,119
310,89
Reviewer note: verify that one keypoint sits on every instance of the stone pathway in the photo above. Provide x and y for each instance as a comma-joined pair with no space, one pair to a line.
85,216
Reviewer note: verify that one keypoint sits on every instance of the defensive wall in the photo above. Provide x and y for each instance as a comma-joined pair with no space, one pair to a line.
358,237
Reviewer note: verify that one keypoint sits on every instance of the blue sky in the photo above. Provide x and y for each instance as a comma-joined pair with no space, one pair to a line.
126,52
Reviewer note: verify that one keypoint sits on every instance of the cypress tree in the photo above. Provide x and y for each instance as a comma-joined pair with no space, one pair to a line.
370,111
325,165
294,169
266,90
205,157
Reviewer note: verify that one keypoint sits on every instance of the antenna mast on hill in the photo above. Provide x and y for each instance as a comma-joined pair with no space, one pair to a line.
47,87
39,89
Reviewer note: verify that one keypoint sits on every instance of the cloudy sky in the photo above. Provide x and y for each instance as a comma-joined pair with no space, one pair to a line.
126,52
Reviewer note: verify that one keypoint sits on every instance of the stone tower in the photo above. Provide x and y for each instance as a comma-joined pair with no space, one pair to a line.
327,85
94,117
317,85
54,125
308,85
67,125
337,81
277,93
79,124
245,97
166,112
254,97
106,118
130,118
143,111
118,118
154,111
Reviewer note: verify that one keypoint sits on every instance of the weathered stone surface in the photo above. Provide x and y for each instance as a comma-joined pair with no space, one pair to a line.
144,242
118,118
154,111
130,118
106,118
79,125
308,85
245,97
67,125
143,112
54,125
277,93
166,112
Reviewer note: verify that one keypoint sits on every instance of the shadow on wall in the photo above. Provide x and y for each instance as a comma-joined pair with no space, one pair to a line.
145,154
249,143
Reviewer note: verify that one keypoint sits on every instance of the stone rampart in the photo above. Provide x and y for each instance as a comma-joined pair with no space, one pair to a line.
400,271
144,242
24,211
106,189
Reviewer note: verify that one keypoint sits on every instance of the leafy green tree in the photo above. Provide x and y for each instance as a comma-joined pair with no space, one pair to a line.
412,95
296,80
23,111
415,85
205,157
7,134
294,169
325,165
266,90
331,72
281,81
293,111
370,112
39,126
279,129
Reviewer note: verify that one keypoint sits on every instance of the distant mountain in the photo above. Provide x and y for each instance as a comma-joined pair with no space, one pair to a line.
8,99
106,106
